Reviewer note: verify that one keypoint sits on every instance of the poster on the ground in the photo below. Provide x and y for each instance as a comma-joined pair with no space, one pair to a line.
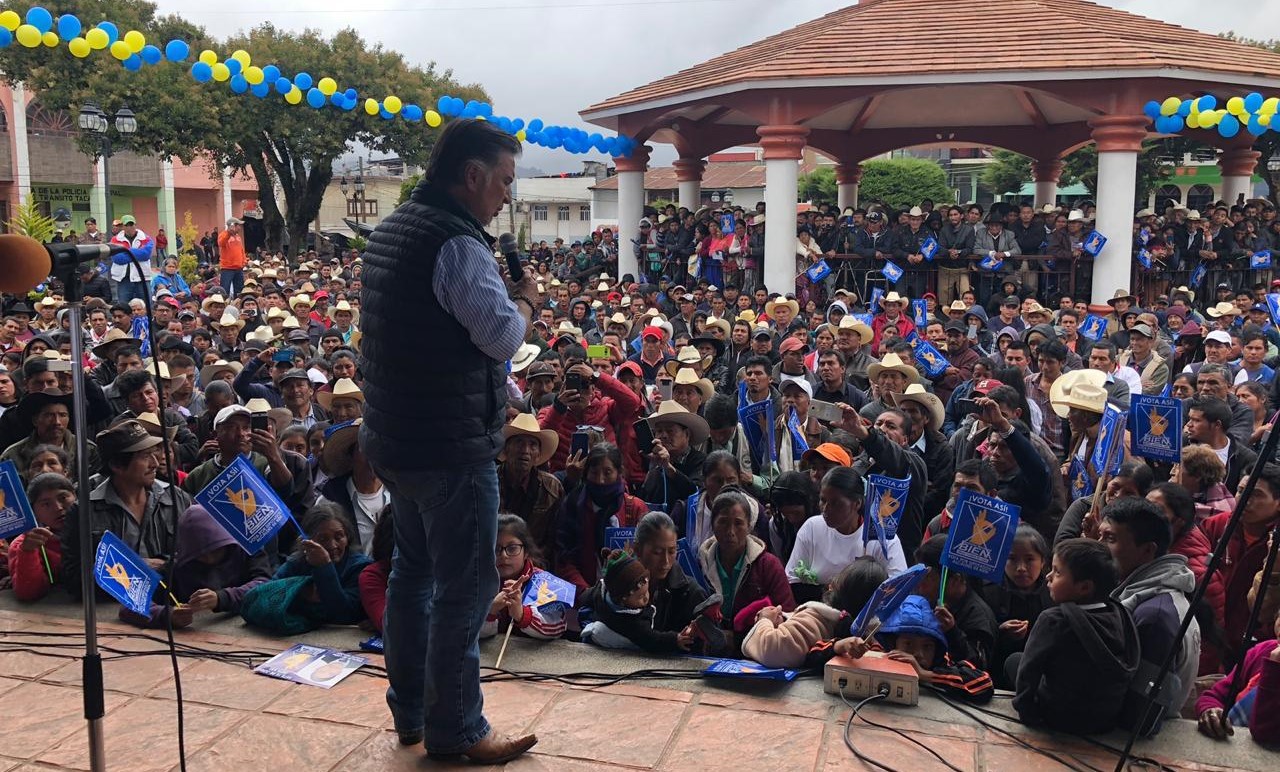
311,665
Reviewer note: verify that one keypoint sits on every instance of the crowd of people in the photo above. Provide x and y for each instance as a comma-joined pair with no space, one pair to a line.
625,410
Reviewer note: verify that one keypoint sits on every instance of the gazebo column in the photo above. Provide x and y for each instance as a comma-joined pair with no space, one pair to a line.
630,206
847,178
783,146
1237,164
1046,174
689,176
1119,139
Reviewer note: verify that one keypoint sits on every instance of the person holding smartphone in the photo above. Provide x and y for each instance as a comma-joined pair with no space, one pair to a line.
588,398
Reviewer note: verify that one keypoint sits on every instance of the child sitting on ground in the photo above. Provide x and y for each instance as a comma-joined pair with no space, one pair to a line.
965,618
619,605
805,637
1020,596
36,555
517,559
912,634
1082,653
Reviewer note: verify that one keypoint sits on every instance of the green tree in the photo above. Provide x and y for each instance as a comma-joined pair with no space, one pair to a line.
1153,164
903,182
1007,173
406,188
819,186
29,221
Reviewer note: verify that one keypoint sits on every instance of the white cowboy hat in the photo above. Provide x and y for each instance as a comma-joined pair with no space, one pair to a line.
524,357
227,320
344,388
673,412
1082,389
525,424
788,302
262,335
720,324
687,376
300,300
849,322
916,393
215,298
209,373
892,361
688,356
893,297
1076,215
1225,308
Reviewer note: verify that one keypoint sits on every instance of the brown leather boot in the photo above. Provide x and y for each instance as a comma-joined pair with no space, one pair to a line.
493,749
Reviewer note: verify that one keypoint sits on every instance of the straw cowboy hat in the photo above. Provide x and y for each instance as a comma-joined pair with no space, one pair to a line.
209,373
1076,215
1123,295
114,335
687,376
262,335
345,388
671,412
1225,308
215,298
747,315
894,297
525,355
848,322
788,302
566,328
151,422
1081,389
720,324
892,361
916,393
526,425
300,300
340,443
277,313
688,356
227,320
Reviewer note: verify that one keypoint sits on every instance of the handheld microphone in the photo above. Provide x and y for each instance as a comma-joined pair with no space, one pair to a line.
25,262
511,250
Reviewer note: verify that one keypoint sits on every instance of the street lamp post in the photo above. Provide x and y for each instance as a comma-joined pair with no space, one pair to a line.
96,122
358,197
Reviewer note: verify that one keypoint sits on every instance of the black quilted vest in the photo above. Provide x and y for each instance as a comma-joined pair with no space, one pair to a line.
433,399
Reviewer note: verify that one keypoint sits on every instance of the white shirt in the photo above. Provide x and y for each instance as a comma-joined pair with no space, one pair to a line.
367,509
826,552
1129,376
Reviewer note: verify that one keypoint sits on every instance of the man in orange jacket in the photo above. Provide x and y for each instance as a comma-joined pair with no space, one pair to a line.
231,258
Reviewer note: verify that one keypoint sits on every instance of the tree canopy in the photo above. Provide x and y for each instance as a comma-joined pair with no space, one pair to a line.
898,182
292,146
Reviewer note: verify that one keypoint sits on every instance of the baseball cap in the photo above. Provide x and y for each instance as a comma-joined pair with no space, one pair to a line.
1143,329
792,344
796,380
1011,300
228,412
128,220
762,332
654,332
1221,336
831,452
956,327
986,385
539,370
295,373
126,437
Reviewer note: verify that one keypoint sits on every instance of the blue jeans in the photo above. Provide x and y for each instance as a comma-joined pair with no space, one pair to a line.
443,578
232,281
128,290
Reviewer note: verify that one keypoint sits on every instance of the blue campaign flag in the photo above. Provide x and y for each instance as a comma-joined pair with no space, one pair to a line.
887,597
123,575
864,318
930,358
1078,479
619,538
140,328
1110,434
1144,236
920,313
726,223
244,505
1093,243
886,500
745,668
891,272
546,588
15,511
818,271
1157,427
1273,304
1260,259
798,444
1197,276
929,248
757,422
1144,257
877,294
1093,327
981,535
991,262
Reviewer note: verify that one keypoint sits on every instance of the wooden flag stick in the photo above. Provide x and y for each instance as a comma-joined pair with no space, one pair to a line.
498,664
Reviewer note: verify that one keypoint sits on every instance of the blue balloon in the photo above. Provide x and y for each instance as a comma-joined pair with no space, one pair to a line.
6,37
1184,109
1255,127
151,54
176,50
238,84
315,98
302,80
1151,109
386,116
1253,102
471,107
69,26
411,113
283,85
113,32
442,105
1208,102
234,66
485,109
350,103
41,19
1229,126
202,72
517,124
260,90
535,125
270,74
133,63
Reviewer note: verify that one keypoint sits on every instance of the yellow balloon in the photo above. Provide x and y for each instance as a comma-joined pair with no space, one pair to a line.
253,75
10,20
294,96
1235,105
135,40
433,118
1208,119
121,50
1270,106
1264,120
97,39
50,39
1193,120
1170,105
28,36
221,72
79,47
371,106
327,86
392,104
242,56
520,135
208,57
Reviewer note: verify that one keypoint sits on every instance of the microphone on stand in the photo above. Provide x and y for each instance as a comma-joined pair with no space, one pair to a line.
511,251
25,262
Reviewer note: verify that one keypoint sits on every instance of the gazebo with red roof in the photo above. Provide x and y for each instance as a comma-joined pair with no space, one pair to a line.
1039,77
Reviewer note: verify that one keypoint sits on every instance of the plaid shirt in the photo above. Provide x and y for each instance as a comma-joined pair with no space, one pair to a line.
1051,428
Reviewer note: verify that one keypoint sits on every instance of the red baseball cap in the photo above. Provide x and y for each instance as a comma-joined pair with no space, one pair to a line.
985,386
629,367
656,332
791,344
321,294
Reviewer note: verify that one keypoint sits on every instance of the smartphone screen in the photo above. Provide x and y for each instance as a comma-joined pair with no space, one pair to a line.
597,351
665,387
258,422
580,443
644,437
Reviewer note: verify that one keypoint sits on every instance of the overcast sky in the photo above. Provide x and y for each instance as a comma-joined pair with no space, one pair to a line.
550,58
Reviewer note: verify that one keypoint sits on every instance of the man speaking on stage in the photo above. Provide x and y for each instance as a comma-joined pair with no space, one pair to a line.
433,428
